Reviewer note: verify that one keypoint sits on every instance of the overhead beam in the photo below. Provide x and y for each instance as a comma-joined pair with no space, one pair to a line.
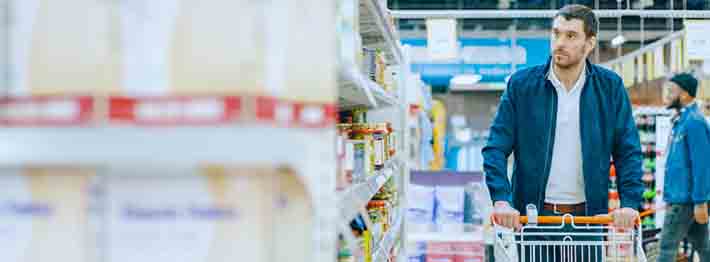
498,14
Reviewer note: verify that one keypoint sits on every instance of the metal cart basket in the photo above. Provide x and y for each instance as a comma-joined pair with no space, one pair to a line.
568,239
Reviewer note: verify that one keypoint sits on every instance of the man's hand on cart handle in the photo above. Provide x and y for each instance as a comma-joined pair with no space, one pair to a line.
701,213
505,215
625,217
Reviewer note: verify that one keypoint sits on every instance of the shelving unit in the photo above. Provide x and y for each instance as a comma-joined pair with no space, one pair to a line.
357,90
653,147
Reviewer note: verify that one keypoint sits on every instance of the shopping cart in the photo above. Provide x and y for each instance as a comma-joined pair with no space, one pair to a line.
568,239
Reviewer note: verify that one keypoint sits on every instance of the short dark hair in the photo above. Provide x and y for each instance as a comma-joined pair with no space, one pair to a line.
583,13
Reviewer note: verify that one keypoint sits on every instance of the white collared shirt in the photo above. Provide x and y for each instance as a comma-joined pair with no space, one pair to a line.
566,182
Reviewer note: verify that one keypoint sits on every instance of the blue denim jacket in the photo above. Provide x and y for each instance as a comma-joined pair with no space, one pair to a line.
525,124
688,164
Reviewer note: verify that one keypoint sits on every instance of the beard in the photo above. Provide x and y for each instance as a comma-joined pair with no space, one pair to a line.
675,104
567,60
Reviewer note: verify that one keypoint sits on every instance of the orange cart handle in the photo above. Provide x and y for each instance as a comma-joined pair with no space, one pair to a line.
595,220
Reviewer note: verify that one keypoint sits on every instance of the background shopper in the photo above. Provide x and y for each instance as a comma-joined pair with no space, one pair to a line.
687,181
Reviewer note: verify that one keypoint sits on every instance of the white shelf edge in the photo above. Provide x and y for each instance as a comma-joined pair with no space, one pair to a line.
388,32
388,241
107,146
352,200
377,97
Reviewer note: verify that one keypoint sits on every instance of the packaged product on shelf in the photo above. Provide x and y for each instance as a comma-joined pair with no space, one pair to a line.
63,48
476,207
416,251
363,159
440,252
213,214
450,205
379,147
420,210
379,217
380,68
390,83
359,115
386,192
47,214
469,251
369,63
344,156
391,141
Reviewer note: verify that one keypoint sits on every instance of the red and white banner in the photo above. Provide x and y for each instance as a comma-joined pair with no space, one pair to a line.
46,110
181,110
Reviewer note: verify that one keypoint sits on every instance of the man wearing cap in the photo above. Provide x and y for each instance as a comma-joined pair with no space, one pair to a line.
687,181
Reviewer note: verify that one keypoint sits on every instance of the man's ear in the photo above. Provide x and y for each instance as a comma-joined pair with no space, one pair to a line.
592,41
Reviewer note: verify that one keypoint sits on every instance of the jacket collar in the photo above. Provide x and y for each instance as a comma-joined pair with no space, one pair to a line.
692,107
589,70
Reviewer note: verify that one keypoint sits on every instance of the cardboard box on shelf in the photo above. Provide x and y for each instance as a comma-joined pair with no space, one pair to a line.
44,215
63,47
174,47
214,214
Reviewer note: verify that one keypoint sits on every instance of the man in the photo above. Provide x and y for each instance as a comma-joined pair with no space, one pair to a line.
564,121
687,182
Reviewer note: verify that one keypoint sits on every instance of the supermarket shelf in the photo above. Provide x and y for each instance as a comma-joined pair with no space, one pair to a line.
163,111
354,199
388,242
356,90
443,237
376,28
157,146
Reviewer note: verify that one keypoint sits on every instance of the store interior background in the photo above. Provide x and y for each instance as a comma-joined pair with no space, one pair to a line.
478,106
131,133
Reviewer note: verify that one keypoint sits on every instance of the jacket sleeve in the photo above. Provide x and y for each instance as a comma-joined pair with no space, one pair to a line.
499,147
627,152
698,152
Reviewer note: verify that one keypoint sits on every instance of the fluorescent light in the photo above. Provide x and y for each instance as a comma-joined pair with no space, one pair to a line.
465,79
618,41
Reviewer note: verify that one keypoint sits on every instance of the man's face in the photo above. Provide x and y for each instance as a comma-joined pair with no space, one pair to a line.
672,94
570,45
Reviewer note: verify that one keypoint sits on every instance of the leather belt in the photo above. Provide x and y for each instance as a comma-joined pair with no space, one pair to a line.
565,209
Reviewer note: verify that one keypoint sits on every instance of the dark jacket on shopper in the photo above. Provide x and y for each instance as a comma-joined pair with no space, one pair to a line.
687,177
525,124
